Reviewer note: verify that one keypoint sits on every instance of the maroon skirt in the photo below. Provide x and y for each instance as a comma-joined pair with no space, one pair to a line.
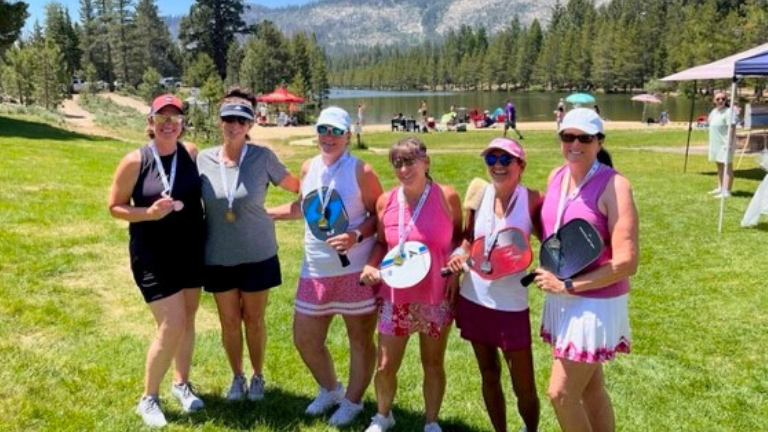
508,330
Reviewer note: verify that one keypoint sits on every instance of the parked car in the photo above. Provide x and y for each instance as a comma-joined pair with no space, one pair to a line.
77,84
170,82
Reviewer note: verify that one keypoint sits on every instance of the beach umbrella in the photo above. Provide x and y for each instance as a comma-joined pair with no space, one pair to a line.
646,98
580,98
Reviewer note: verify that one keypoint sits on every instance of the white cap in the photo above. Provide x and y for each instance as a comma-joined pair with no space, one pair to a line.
583,119
334,116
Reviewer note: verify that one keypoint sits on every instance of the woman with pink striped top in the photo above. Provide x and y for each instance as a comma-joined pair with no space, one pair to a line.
418,210
585,319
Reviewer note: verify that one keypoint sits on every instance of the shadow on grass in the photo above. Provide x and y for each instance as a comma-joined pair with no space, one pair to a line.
749,174
40,131
282,410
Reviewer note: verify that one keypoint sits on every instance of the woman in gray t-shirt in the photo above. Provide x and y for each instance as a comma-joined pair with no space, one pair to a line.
241,262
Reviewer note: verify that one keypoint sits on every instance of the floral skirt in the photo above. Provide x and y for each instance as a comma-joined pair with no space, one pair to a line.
406,318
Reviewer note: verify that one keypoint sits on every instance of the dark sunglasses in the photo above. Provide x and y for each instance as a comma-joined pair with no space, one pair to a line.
504,159
401,162
583,138
232,119
324,130
720,100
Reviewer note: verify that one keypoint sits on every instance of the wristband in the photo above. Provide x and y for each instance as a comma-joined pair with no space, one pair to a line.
458,251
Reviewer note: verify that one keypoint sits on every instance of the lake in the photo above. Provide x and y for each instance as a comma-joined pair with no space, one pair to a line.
380,105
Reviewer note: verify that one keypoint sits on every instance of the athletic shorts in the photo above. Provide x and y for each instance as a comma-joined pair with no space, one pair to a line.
161,280
508,330
247,277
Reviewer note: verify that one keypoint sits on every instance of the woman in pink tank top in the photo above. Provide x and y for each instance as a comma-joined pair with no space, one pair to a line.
417,210
585,318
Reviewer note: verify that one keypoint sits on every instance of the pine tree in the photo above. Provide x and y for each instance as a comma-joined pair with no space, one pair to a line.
153,40
13,17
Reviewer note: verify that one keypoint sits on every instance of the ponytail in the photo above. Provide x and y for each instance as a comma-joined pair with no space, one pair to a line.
604,157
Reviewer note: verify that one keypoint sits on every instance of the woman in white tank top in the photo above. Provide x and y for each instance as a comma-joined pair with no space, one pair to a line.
493,314
335,184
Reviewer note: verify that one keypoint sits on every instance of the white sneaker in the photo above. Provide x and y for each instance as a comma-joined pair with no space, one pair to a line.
726,194
715,191
187,397
150,412
380,423
238,389
432,427
325,400
346,412
256,389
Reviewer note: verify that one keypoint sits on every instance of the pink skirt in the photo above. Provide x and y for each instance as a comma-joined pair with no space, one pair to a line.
406,318
324,296
508,330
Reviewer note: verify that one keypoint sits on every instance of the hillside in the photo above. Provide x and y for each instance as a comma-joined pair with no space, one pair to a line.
346,24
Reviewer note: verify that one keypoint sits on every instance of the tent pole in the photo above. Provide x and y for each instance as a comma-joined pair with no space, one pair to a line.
728,147
690,127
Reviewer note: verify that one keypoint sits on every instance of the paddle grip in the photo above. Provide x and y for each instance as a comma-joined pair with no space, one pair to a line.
445,271
527,279
344,260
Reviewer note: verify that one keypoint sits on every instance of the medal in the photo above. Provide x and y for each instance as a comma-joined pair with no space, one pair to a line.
325,198
553,243
398,259
486,267
230,216
323,223
178,205
167,180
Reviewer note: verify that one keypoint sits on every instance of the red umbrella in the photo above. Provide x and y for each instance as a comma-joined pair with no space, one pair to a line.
280,95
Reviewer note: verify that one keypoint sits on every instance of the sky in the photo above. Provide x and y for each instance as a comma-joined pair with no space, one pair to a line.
36,8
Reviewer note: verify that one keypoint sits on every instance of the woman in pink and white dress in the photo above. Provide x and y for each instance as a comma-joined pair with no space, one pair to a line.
419,222
336,179
585,318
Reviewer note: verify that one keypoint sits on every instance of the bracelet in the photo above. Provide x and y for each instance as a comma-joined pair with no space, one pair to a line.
458,251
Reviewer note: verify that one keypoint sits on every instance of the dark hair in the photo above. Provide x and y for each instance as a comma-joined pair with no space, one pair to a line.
602,155
237,92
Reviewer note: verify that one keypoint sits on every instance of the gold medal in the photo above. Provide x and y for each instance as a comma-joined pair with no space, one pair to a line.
322,223
230,216
398,259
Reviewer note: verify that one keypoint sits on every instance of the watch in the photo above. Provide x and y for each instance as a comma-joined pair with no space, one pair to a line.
568,284
358,236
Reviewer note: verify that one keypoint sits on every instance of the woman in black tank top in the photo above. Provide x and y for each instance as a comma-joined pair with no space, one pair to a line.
157,190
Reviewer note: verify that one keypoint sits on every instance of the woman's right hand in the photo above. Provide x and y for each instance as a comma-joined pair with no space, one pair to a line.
370,275
457,263
160,208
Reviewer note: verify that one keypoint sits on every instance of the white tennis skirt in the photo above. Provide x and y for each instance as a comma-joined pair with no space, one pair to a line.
588,330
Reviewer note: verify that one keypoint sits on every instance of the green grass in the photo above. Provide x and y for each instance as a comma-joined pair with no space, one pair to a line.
74,329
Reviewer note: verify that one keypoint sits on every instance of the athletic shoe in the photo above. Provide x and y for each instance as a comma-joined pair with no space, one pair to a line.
325,400
380,423
150,412
432,427
238,389
715,191
346,412
256,389
726,194
187,397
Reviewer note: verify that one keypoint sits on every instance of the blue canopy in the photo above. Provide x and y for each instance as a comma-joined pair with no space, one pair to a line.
755,65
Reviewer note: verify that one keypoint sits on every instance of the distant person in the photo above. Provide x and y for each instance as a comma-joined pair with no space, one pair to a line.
511,120
597,109
663,118
361,113
488,121
559,114
156,189
423,113
719,150
561,104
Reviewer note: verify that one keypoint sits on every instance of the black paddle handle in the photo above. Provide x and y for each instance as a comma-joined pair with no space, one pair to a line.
344,260
527,279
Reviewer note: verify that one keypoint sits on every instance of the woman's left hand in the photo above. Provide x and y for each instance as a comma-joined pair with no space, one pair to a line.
548,282
342,242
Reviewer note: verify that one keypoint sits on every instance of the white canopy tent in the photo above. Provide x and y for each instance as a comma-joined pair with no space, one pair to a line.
721,69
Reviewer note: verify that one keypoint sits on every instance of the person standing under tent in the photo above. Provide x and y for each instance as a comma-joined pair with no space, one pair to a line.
720,118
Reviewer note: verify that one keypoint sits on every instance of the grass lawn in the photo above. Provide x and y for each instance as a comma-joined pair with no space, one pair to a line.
74,330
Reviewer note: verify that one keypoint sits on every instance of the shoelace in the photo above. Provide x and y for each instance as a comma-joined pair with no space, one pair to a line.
188,390
153,405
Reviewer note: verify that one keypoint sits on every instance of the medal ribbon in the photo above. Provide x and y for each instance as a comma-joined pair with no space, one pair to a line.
403,231
491,232
331,171
231,191
167,183
564,201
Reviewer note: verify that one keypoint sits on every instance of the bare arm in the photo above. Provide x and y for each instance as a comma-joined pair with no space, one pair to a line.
290,210
290,183
119,201
535,202
192,150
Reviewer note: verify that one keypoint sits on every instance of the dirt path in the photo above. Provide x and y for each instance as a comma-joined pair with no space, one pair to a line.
130,102
80,120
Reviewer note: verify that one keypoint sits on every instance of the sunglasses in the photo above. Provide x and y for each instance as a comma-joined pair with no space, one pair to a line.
583,138
232,119
720,100
504,159
325,130
401,162
172,118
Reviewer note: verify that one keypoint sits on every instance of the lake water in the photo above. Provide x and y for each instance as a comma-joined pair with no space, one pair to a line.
380,105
